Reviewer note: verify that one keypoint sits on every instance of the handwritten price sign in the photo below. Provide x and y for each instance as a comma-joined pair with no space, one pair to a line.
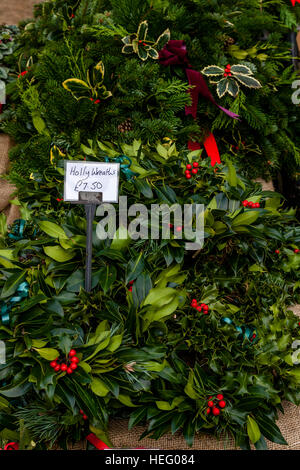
91,177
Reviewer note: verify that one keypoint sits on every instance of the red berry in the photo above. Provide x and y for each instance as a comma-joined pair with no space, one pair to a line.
81,412
69,370
216,411
189,166
64,367
254,336
57,368
194,301
97,101
179,228
199,308
277,252
85,417
73,366
188,176
195,164
210,403
222,404
296,251
194,171
208,411
53,364
72,353
245,203
220,396
75,359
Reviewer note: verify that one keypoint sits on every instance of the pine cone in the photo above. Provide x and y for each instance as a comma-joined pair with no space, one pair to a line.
125,126
228,41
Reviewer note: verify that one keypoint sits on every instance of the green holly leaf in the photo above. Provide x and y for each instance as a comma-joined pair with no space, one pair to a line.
142,31
142,52
243,69
163,39
222,87
127,49
248,81
233,88
213,70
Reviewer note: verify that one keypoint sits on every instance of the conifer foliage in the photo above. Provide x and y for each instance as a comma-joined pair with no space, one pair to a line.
175,340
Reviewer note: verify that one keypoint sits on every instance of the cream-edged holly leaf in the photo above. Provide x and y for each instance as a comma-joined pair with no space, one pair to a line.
142,53
142,31
241,69
153,53
77,87
127,49
100,69
163,39
212,70
222,87
248,81
233,88
126,40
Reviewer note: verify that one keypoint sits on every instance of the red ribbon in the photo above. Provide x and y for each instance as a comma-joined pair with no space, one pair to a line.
294,2
175,53
100,445
11,446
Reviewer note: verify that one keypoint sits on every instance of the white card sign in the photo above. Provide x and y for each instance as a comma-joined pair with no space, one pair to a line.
91,177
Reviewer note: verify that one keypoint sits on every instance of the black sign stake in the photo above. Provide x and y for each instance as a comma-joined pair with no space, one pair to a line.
91,201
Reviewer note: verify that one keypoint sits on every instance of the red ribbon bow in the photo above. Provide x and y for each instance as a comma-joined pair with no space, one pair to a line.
294,2
11,446
175,53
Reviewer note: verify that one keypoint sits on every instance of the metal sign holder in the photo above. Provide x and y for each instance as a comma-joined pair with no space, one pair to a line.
90,200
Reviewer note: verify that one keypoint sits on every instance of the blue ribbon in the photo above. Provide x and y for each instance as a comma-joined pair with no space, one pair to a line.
125,167
21,293
245,332
17,230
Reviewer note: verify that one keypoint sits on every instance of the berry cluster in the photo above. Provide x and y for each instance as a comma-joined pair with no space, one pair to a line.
215,409
70,366
130,286
252,205
96,101
297,251
200,307
191,169
22,74
83,415
227,72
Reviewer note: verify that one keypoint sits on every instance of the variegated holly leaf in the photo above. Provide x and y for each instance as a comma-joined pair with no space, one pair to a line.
163,39
142,51
213,70
78,88
127,39
153,53
233,88
127,49
248,81
222,87
142,31
241,69
103,93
